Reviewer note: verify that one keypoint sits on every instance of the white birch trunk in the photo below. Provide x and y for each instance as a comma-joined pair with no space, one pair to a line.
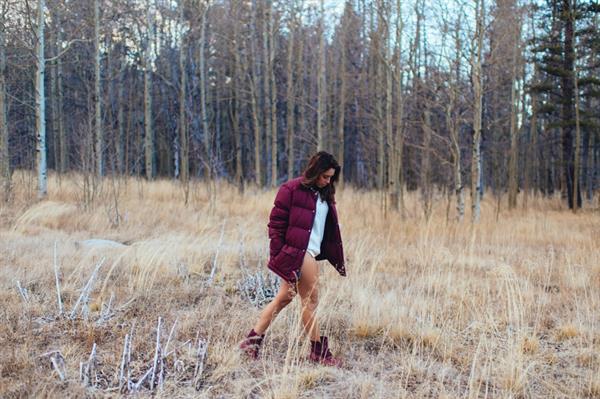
5,174
148,129
397,197
40,105
203,102
290,100
270,76
321,83
477,112
254,97
99,147
183,134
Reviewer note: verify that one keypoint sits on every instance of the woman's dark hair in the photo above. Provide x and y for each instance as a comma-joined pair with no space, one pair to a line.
318,164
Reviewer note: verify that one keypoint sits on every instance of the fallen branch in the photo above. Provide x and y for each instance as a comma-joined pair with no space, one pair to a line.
156,354
87,370
200,357
170,335
142,379
57,361
84,297
214,265
23,292
59,299
125,359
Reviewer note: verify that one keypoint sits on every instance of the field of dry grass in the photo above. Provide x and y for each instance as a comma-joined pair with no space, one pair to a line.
429,308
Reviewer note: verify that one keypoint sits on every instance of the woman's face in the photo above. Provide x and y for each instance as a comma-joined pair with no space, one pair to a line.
325,178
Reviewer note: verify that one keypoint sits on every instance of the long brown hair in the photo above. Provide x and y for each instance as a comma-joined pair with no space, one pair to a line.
317,165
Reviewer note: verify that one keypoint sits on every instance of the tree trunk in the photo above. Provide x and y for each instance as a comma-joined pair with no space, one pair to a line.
577,162
452,124
477,112
397,178
40,105
97,96
577,202
589,162
148,128
184,173
272,97
342,107
121,115
254,78
567,86
291,100
5,172
54,101
321,82
426,188
203,97
236,103
531,182
60,118
300,89
514,135
389,100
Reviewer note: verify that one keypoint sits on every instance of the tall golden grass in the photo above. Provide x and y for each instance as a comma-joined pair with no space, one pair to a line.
430,308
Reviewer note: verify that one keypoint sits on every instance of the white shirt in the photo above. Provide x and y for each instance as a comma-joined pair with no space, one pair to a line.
318,228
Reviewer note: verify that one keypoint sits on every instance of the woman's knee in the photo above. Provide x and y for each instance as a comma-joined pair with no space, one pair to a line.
285,297
311,300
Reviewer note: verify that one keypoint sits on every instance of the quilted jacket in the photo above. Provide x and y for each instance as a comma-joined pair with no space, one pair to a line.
290,224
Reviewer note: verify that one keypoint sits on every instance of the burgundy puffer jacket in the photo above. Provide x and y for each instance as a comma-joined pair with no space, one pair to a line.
290,224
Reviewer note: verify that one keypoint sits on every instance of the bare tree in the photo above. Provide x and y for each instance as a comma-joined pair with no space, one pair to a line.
40,103
5,172
290,90
271,88
99,144
321,81
476,80
396,186
148,128
513,174
184,175
254,95
453,121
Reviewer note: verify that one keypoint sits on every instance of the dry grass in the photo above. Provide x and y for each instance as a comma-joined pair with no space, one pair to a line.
429,309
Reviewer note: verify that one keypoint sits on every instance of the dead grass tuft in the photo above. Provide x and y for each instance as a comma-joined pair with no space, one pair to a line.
567,331
530,345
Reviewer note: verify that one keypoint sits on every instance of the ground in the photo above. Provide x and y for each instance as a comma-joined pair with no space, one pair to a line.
430,308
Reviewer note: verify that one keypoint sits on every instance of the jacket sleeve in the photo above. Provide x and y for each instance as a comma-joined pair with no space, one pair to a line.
279,219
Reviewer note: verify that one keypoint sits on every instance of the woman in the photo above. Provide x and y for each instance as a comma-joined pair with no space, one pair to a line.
303,228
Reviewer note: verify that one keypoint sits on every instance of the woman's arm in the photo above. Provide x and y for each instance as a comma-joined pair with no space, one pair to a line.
278,220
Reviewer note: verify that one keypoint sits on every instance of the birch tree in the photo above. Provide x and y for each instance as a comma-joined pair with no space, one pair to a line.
99,143
254,94
271,88
476,75
452,120
184,175
40,102
290,88
148,128
321,81
207,134
396,188
5,172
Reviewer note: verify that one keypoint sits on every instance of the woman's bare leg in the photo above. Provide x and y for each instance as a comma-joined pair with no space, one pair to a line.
284,296
309,293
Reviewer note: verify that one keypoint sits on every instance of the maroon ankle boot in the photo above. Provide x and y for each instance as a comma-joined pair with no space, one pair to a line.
320,353
251,344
